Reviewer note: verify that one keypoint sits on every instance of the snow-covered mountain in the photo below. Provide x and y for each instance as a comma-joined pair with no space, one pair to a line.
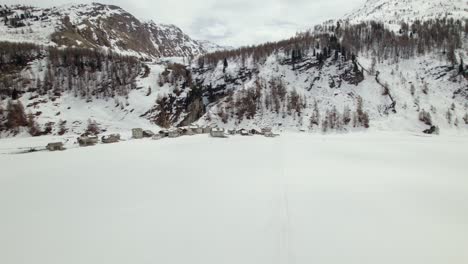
413,94
396,11
95,25
417,85
210,46
343,77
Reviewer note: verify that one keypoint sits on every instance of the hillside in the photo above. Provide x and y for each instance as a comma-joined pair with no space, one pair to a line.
340,77
344,78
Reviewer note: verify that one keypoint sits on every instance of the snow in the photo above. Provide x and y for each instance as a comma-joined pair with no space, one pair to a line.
299,198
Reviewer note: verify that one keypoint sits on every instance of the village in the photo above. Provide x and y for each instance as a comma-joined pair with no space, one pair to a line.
88,139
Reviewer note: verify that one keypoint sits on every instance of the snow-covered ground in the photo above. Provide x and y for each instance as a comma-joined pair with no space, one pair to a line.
299,198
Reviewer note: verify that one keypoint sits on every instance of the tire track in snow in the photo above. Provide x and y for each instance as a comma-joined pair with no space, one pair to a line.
286,223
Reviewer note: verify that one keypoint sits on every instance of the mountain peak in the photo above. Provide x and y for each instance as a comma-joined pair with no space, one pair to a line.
396,11
96,25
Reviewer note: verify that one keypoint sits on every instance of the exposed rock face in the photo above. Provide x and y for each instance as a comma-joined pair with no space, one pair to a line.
194,108
171,41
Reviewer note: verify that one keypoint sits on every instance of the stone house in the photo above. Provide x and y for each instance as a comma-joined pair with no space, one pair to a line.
157,137
267,130
114,138
206,130
87,140
173,134
255,132
188,132
217,132
163,133
148,133
57,146
244,132
185,131
137,133
197,130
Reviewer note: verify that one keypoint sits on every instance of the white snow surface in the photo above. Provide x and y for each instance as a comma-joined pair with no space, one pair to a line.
299,198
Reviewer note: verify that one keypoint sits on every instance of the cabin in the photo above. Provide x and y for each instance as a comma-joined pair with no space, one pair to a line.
188,132
114,138
56,146
163,133
185,131
137,133
266,130
196,130
87,140
255,132
217,133
431,131
148,133
173,134
244,132
157,137
207,130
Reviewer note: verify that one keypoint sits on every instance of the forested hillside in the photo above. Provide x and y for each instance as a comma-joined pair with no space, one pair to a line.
343,75
44,74
324,78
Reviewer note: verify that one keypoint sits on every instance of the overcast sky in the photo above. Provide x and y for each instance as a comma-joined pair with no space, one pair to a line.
228,22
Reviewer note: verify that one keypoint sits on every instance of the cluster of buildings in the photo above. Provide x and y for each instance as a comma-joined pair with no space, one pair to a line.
216,132
85,140
139,133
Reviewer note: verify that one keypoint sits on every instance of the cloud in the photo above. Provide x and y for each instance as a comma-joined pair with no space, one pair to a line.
210,28
229,22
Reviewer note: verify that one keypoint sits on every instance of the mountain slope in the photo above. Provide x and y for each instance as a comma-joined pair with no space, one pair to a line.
415,87
345,78
334,79
95,26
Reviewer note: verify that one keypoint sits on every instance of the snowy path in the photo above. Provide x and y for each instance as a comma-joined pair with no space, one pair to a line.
359,198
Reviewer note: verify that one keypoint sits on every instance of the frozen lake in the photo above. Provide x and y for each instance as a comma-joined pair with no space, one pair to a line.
339,199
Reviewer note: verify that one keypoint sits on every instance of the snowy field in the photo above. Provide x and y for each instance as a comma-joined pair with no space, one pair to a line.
375,198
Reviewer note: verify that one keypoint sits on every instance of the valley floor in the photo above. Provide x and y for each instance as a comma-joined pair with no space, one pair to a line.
359,198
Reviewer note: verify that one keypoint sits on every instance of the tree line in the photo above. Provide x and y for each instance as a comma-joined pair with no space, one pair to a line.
272,97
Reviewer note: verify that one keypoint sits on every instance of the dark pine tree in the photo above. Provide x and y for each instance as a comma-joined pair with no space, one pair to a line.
461,68
225,65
